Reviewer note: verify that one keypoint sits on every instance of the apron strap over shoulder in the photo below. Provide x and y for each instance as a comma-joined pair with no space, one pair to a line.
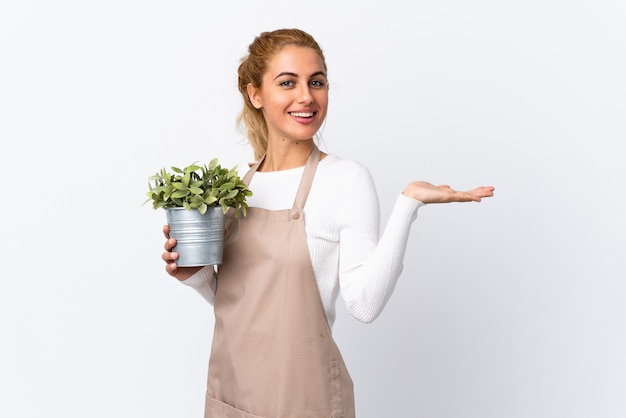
307,178
248,176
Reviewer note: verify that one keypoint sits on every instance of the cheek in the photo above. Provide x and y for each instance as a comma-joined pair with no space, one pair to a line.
322,101
278,103
324,108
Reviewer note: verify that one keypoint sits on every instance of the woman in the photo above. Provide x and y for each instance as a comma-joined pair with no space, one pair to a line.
306,238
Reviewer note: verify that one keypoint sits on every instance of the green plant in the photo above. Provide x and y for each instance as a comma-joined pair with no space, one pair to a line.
199,187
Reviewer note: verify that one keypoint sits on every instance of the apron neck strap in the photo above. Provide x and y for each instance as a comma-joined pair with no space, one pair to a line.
307,178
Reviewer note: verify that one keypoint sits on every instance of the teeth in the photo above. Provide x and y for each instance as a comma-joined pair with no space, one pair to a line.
302,114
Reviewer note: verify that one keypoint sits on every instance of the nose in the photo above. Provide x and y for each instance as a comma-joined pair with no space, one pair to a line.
304,95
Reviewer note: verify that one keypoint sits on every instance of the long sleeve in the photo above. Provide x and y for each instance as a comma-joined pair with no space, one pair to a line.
204,282
369,267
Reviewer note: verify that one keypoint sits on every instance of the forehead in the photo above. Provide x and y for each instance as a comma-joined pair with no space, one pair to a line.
299,60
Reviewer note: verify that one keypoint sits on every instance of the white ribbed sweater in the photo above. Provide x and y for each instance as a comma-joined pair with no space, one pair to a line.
342,227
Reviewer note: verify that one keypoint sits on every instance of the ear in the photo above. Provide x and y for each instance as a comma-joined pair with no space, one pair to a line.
254,96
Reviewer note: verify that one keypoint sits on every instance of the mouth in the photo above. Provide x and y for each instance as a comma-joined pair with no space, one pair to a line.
305,115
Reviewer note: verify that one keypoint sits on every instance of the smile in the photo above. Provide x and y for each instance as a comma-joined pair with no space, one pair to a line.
302,114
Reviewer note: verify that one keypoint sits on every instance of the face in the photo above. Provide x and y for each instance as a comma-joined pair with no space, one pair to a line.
294,94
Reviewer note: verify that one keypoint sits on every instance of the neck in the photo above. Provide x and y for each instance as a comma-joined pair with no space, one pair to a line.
284,155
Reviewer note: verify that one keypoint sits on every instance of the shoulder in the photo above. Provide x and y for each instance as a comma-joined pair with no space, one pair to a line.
335,165
342,174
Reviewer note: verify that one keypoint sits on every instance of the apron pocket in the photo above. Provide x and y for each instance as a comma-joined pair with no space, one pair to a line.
218,409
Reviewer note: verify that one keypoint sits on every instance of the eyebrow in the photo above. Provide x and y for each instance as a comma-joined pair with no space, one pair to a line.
287,73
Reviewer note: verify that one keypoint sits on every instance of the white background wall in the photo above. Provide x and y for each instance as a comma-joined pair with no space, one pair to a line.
513,307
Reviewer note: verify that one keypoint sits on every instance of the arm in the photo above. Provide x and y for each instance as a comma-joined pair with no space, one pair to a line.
368,267
204,282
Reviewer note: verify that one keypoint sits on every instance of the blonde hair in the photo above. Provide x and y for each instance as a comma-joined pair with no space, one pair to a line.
251,70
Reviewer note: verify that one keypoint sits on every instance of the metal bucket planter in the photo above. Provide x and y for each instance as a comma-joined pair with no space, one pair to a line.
199,238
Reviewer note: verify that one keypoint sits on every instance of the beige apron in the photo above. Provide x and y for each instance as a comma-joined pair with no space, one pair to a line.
273,355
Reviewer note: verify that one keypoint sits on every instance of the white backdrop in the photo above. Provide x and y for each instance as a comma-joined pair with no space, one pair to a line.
508,308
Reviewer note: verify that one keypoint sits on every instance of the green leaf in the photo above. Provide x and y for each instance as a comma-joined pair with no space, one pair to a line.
232,194
192,167
227,186
180,193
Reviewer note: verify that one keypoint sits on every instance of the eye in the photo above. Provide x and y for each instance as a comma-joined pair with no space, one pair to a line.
318,83
286,83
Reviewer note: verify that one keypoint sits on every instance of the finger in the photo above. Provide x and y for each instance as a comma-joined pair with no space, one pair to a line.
169,244
471,197
479,193
485,191
169,256
482,191
166,231
171,268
